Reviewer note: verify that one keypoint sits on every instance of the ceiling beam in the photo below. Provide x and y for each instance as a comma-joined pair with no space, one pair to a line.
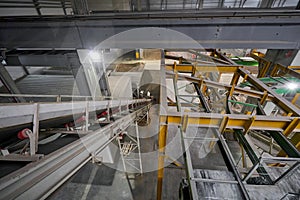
247,29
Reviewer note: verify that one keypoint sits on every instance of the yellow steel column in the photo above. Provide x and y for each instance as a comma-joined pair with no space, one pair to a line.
163,129
264,98
295,98
264,69
235,78
245,78
249,124
290,128
274,71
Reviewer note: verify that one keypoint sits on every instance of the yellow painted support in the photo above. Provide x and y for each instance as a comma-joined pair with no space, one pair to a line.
274,71
201,83
264,69
256,53
204,87
162,138
231,90
286,70
249,124
212,143
184,123
294,67
175,67
182,104
248,113
137,54
290,128
185,68
213,84
193,70
235,78
295,140
181,69
295,98
236,121
266,64
264,98
223,124
245,78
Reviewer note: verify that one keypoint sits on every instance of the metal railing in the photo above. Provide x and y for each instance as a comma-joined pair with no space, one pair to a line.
59,98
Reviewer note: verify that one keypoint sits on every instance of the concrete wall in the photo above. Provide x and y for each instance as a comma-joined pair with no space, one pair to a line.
120,86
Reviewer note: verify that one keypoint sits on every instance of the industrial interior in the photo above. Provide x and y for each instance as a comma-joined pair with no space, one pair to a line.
150,99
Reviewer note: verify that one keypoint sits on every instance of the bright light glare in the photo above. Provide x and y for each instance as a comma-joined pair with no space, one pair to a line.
95,56
292,86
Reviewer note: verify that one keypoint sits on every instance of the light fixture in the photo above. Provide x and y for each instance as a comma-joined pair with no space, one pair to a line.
95,56
292,86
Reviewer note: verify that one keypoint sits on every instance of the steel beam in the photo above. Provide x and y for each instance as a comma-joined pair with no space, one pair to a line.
281,102
285,144
37,60
219,29
228,87
79,74
287,70
80,7
231,164
188,68
9,83
213,120
276,67
163,130
252,156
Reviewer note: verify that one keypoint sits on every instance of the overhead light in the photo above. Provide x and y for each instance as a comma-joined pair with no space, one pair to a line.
95,56
292,86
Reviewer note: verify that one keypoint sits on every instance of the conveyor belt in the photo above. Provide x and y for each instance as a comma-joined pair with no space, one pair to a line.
17,114
39,179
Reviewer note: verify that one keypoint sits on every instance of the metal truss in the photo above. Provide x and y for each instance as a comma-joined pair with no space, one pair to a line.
282,128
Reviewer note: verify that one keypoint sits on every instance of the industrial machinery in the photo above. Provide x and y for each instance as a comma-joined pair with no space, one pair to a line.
140,99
